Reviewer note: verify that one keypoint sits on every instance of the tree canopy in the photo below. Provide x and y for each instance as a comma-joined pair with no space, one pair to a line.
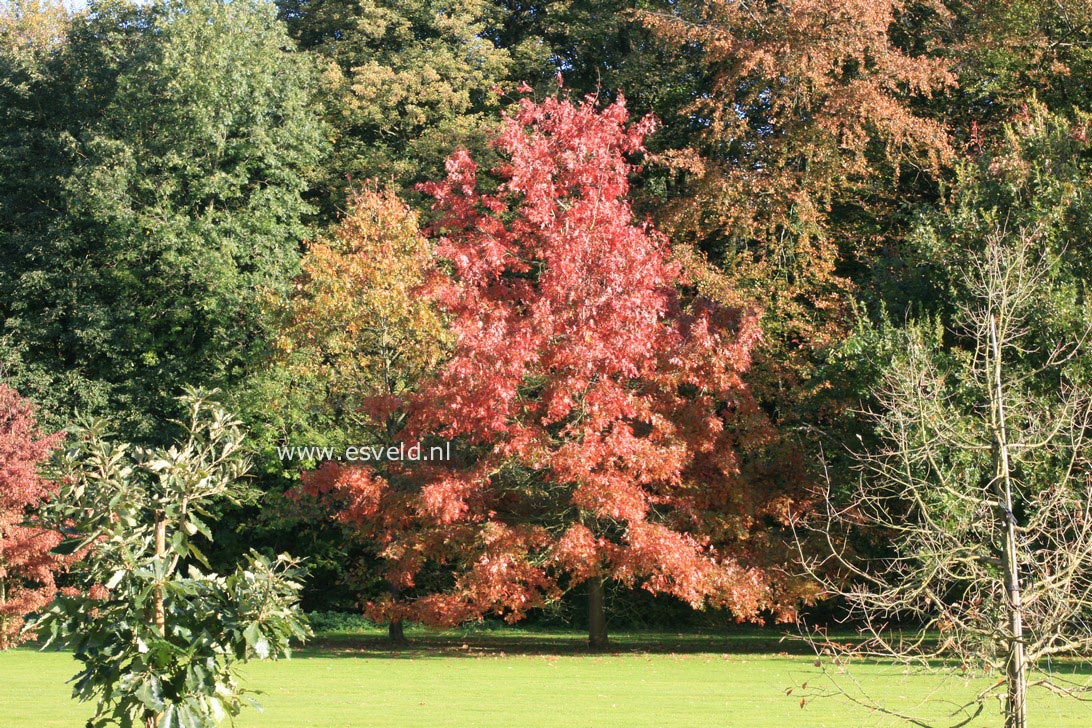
153,178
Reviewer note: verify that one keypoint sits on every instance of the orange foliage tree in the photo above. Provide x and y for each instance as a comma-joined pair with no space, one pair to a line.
357,339
356,324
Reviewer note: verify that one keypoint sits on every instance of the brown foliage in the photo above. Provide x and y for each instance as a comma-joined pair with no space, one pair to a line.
808,122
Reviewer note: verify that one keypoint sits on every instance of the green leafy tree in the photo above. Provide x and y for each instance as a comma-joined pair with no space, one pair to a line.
158,637
592,44
150,192
403,83
31,33
1008,52
1031,173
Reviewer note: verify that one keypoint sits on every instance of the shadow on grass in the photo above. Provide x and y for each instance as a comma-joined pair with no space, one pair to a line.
500,643
515,642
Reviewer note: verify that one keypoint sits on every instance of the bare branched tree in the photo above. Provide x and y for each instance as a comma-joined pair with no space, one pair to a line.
980,492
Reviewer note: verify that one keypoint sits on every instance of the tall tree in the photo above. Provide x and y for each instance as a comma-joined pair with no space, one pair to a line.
357,338
144,215
31,33
27,558
596,395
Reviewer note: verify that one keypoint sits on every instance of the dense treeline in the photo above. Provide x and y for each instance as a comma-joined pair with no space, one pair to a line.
228,194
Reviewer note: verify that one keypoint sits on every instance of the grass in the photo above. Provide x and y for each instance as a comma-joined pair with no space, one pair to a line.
537,678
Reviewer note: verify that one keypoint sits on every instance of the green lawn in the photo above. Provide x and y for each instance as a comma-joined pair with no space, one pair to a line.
513,678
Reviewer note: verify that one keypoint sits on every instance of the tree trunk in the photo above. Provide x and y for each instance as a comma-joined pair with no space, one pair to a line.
161,554
159,612
395,630
597,615
3,619
1016,711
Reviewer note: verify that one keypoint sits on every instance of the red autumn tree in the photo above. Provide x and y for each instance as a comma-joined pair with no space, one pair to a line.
27,561
595,396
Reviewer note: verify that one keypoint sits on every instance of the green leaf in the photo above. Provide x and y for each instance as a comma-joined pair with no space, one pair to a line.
115,579
252,634
150,694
